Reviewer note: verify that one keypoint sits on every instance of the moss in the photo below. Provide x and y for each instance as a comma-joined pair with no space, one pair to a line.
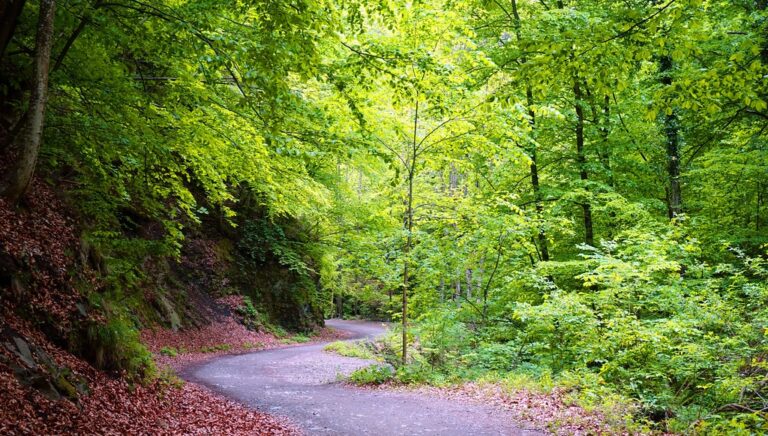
65,387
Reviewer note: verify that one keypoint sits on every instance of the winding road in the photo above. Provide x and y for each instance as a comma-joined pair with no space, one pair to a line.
301,383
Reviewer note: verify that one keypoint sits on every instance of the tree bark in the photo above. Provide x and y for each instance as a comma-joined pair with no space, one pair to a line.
671,131
26,144
468,274
589,237
409,227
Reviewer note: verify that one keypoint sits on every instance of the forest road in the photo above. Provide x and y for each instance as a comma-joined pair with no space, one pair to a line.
301,383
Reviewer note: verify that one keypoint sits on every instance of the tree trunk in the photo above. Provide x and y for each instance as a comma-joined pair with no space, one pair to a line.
671,131
26,145
542,236
408,242
469,284
409,227
581,158
10,11
453,179
457,291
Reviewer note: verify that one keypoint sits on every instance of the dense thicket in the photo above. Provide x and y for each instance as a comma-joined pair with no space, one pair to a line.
568,189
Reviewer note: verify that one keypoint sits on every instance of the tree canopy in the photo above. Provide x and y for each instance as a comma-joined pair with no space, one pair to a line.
574,190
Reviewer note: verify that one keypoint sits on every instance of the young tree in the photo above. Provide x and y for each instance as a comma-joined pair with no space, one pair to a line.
23,145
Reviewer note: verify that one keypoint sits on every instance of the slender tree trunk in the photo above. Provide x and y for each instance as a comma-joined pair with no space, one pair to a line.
10,10
763,5
581,158
408,243
409,228
453,179
469,284
542,236
671,131
457,291
26,144
759,204
605,155
535,185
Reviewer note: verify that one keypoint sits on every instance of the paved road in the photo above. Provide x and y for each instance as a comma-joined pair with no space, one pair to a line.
301,384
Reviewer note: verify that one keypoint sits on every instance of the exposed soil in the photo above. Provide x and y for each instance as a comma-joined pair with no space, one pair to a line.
301,383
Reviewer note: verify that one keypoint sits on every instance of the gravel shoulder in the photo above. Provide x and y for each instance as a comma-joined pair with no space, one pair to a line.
301,383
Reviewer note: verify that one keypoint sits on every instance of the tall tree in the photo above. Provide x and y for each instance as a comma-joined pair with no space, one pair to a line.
25,144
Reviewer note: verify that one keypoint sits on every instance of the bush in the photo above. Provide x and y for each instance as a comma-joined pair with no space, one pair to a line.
169,351
116,346
251,317
372,375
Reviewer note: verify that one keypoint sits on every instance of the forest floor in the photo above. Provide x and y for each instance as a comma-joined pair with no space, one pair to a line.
302,383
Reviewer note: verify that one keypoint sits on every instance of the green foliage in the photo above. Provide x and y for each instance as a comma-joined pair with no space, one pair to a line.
251,317
215,348
359,350
116,346
520,160
301,339
295,339
169,351
253,345
372,375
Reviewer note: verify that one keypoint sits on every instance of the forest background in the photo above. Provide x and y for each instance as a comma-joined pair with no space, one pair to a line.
570,193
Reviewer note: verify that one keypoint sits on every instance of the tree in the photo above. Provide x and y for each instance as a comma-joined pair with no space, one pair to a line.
25,143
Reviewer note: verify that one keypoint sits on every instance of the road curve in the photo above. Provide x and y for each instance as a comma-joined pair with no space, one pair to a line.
301,383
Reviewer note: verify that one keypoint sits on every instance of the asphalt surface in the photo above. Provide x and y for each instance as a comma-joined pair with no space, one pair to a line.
301,383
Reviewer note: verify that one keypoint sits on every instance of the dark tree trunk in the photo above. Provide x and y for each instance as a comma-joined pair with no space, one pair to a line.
10,11
671,131
581,159
543,249
26,144
542,236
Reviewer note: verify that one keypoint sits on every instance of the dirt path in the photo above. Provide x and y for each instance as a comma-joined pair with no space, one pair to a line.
300,383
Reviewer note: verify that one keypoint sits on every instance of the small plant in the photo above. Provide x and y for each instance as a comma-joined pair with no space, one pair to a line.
295,339
372,375
301,339
169,351
252,345
250,316
351,349
215,348
167,378
277,331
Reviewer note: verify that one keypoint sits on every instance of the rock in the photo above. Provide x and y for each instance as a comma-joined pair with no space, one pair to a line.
42,384
171,315
24,353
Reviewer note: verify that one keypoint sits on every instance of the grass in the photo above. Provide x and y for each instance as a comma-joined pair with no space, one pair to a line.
215,348
351,349
295,339
253,345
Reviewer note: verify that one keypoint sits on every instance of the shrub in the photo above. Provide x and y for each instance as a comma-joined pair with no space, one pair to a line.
169,351
372,375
